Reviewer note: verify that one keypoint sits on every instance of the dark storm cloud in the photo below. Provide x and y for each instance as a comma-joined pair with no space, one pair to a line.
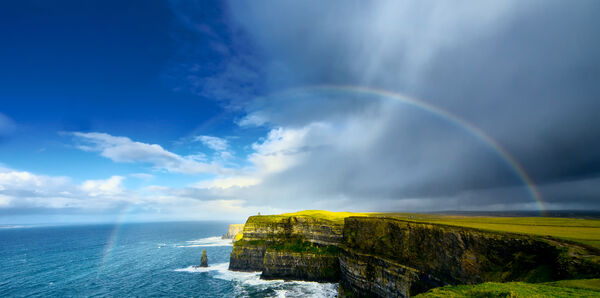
526,73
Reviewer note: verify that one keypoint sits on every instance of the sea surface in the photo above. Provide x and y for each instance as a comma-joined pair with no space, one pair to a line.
134,259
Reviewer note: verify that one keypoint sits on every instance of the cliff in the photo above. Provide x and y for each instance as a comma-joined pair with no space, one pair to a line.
233,230
386,255
391,257
289,247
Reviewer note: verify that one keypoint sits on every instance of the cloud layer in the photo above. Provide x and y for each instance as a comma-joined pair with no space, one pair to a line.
123,149
524,73
23,193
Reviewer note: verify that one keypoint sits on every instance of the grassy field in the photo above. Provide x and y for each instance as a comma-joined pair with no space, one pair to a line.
337,217
565,288
586,231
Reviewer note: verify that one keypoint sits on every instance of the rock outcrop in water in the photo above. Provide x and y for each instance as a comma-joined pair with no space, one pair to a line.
389,257
204,259
233,230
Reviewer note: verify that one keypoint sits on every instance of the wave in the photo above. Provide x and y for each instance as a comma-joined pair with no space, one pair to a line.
210,241
249,283
11,227
196,269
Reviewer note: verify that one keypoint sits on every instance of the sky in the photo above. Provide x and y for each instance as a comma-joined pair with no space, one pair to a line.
202,110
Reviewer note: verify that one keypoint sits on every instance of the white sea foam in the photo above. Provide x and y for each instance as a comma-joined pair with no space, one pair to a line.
196,269
11,227
247,282
210,241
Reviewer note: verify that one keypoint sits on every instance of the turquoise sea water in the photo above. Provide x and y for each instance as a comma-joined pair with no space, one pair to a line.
141,259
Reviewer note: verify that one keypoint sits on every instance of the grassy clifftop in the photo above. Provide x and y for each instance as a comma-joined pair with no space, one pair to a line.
405,254
301,245
584,231
564,288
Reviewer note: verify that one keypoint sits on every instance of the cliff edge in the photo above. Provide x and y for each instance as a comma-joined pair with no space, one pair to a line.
387,256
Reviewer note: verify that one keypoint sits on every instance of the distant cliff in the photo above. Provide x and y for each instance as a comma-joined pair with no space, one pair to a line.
233,230
389,257
289,247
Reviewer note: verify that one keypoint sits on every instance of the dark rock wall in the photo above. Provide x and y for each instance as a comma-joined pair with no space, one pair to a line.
283,228
368,275
437,255
247,258
387,257
300,266
267,241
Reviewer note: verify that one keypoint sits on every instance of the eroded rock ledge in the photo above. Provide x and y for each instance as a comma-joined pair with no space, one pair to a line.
388,257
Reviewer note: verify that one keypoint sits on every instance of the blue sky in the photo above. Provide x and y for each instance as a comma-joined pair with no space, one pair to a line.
101,66
166,110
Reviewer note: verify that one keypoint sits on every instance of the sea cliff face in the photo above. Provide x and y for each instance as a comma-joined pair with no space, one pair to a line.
277,228
383,256
289,265
388,257
289,247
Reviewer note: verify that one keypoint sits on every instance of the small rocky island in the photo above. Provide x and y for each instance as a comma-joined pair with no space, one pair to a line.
204,259
388,255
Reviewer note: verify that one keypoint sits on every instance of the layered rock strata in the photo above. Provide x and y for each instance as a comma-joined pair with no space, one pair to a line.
289,247
388,257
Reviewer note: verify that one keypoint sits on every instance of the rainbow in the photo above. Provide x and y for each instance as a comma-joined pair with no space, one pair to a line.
113,238
512,163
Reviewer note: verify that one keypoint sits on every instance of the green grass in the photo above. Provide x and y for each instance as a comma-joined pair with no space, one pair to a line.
566,288
585,231
292,245
589,284
337,217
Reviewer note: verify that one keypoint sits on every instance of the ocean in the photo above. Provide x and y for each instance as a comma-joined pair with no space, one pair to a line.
133,259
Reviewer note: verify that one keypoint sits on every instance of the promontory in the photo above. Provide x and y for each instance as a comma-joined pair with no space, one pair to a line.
402,255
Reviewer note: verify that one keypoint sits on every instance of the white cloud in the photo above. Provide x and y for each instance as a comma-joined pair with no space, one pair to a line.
123,149
252,119
234,181
214,143
281,150
5,201
10,179
111,186
22,190
142,176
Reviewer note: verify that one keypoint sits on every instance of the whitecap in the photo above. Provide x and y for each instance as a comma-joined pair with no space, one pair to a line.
209,241
196,269
251,280
11,227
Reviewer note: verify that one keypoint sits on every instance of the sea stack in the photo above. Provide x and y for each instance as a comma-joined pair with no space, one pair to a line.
204,259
